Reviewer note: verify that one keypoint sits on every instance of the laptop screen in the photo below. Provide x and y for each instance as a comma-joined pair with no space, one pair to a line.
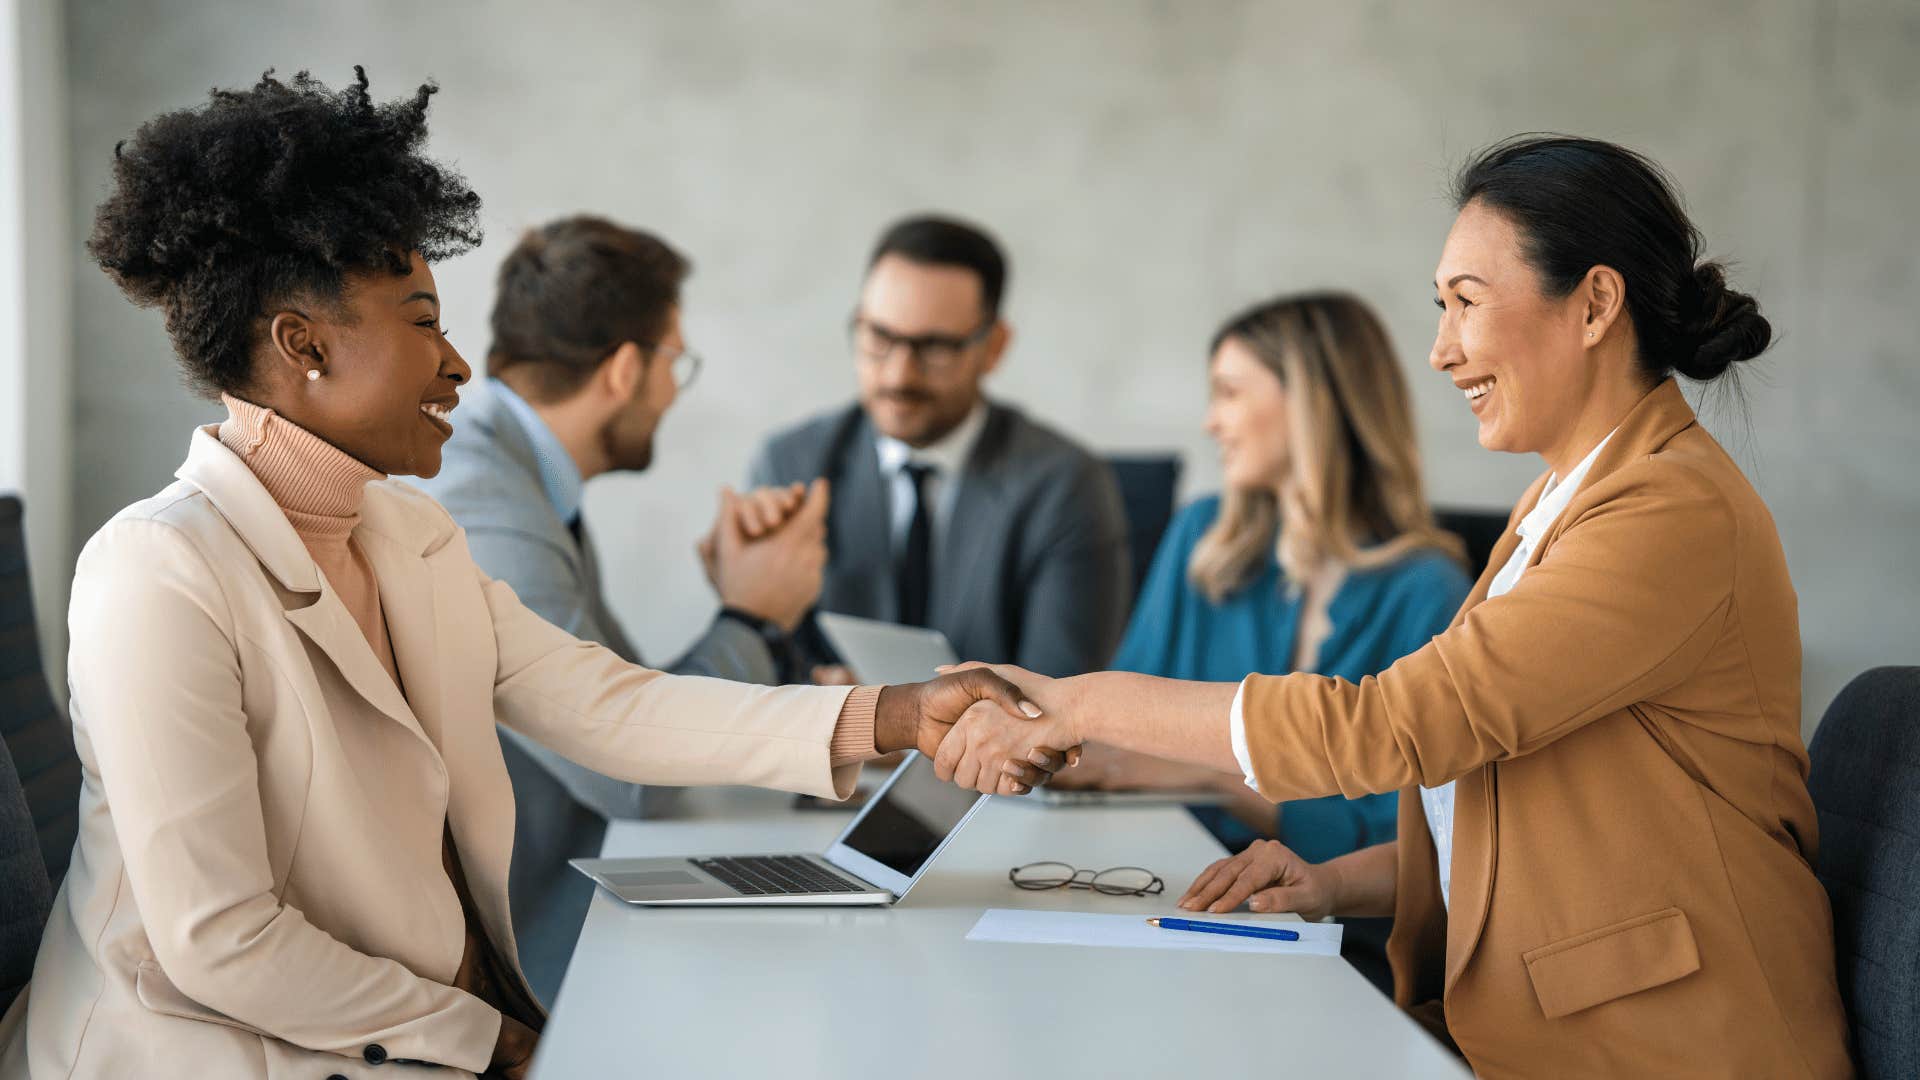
907,823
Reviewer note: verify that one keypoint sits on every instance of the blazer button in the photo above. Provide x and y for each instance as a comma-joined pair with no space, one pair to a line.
375,1054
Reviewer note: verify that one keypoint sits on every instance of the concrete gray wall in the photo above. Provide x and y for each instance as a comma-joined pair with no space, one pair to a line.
1151,166
35,318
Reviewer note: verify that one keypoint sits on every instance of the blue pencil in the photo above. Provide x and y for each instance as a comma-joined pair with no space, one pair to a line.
1271,933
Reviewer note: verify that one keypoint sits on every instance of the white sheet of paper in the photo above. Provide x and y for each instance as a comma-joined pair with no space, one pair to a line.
1133,932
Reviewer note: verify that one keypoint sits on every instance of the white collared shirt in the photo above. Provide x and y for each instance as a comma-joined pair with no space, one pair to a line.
1438,802
948,456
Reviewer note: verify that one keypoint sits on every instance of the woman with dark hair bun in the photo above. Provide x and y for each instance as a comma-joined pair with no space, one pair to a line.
1604,863
295,822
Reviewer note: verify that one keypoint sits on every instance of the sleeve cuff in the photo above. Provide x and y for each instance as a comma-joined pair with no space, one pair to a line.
1237,725
853,734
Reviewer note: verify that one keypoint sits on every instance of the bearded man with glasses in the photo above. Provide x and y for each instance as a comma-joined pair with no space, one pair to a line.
586,358
950,510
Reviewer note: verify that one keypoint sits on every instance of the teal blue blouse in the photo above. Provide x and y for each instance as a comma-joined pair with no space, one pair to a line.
1378,616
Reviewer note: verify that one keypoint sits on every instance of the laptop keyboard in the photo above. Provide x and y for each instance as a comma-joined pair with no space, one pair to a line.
776,875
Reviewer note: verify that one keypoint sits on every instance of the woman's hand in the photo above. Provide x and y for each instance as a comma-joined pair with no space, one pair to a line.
927,716
987,745
1266,877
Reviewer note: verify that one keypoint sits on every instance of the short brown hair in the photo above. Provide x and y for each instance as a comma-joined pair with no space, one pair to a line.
573,291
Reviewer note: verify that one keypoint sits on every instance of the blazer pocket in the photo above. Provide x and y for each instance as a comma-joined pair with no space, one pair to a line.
1601,965
158,994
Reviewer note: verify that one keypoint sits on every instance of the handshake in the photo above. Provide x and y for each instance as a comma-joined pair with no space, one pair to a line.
995,729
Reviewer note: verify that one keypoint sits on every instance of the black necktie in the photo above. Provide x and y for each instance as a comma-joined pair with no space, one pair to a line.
574,527
913,575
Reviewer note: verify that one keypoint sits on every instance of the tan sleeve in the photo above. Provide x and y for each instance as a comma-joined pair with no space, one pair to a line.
1625,604
853,735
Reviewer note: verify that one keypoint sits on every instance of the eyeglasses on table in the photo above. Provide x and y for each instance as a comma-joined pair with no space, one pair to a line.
1113,881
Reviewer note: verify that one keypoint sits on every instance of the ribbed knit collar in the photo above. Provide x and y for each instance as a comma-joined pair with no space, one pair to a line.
318,486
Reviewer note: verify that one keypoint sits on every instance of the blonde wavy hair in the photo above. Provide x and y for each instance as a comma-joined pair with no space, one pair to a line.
1353,493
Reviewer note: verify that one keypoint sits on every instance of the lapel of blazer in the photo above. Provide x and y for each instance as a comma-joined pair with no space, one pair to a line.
509,440
264,528
862,532
1474,845
961,591
407,598
1658,417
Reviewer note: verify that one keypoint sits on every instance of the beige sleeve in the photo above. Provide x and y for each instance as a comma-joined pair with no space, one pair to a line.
648,727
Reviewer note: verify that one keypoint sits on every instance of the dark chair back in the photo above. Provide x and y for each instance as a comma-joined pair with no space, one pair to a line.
1478,529
25,893
35,731
1147,486
1866,787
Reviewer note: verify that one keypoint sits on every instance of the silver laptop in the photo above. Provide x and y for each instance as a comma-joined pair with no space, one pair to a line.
881,854
883,653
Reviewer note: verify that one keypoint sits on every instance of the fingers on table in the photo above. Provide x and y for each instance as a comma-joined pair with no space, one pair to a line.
1278,898
1208,884
1251,879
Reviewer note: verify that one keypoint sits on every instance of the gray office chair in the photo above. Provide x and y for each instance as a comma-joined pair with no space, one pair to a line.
26,890
25,893
1480,530
35,731
1866,787
1147,486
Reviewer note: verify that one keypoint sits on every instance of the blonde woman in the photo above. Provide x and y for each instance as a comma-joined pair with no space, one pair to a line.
1321,555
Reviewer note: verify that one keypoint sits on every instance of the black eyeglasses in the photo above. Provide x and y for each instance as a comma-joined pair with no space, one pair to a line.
935,354
686,367
1113,881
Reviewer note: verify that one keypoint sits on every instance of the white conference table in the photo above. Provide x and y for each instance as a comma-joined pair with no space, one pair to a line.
898,992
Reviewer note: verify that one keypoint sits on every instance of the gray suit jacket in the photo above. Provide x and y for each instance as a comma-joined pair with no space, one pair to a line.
1033,568
490,482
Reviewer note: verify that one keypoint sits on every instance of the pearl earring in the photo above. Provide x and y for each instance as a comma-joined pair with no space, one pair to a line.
313,373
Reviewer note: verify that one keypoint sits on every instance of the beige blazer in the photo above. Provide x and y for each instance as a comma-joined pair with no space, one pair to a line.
1632,889
257,889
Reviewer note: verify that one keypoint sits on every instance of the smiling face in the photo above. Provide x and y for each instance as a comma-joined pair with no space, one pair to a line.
1247,416
388,375
1521,358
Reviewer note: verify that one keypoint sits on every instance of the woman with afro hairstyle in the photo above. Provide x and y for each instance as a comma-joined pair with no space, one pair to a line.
295,823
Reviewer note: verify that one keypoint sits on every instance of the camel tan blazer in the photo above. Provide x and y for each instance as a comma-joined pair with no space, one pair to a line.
257,890
1632,892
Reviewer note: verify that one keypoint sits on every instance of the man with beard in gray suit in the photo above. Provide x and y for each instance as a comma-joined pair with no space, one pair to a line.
949,510
587,356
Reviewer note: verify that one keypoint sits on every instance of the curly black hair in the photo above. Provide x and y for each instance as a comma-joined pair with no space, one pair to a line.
270,196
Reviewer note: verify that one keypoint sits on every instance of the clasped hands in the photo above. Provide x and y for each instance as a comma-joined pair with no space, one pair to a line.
1002,730
993,728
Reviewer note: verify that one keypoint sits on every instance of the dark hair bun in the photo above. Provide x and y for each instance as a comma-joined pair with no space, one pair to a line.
1726,327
